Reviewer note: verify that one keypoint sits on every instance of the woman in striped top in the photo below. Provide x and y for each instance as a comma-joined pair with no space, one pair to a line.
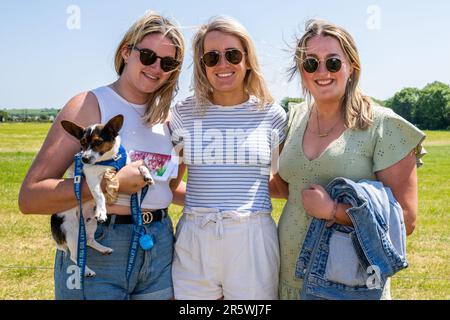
227,244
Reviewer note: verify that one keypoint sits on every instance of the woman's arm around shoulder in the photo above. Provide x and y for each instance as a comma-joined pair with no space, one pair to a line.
278,188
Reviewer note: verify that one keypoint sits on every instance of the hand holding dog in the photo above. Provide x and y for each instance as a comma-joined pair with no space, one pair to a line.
317,203
130,178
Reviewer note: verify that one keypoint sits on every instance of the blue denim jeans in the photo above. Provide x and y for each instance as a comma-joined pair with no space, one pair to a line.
151,278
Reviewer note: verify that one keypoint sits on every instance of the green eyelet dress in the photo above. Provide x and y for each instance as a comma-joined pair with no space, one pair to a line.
356,154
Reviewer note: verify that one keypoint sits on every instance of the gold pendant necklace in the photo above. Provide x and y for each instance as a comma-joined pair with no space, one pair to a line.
325,134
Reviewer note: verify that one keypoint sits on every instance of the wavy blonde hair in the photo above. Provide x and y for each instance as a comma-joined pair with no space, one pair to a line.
159,104
254,83
356,107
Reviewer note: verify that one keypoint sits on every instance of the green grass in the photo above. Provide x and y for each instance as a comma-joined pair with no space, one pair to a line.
27,250
25,137
428,276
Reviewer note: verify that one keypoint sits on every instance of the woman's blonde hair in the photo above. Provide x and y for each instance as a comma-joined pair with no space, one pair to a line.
159,104
356,107
254,83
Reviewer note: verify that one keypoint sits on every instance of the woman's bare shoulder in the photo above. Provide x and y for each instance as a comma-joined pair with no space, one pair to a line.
82,109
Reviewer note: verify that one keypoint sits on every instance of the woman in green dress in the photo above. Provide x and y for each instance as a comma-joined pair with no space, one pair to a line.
337,132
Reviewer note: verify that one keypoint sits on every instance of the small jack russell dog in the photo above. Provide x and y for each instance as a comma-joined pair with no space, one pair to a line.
98,143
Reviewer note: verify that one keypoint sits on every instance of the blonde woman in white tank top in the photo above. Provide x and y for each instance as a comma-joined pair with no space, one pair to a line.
148,63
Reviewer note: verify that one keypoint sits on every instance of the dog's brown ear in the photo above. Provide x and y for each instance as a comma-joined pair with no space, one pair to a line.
73,129
114,125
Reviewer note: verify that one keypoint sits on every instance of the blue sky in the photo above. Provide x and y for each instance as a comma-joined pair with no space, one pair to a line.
44,62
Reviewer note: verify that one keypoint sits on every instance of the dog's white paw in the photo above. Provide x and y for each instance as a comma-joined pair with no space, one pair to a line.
146,175
88,272
100,216
101,219
99,247
149,180
107,251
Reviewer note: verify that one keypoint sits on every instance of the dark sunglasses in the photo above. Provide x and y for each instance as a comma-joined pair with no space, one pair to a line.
233,56
149,57
311,65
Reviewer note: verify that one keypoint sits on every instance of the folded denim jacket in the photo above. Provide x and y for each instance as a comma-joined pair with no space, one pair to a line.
344,262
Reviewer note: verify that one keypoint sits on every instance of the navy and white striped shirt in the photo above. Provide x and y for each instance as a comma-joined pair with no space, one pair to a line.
228,153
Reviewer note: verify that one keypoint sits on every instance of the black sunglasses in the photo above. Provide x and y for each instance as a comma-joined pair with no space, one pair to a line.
311,65
233,56
149,57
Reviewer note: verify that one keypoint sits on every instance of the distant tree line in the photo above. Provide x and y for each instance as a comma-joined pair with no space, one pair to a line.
427,108
288,100
28,115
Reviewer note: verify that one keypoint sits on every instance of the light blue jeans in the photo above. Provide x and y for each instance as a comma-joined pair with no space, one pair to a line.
150,279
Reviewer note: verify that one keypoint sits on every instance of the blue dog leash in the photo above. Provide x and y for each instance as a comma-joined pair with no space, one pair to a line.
138,235
81,251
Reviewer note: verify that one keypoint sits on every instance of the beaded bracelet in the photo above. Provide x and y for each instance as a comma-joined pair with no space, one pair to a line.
112,186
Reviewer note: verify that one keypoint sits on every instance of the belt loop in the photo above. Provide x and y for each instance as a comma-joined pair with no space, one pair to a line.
112,222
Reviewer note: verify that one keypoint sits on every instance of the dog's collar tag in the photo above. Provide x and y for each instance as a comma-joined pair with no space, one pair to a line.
146,242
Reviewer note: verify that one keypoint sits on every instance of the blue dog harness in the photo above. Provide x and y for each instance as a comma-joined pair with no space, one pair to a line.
118,162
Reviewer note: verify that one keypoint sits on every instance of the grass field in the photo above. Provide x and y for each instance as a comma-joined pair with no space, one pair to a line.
27,250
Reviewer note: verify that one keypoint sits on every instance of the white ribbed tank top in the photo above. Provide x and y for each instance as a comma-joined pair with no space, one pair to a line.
136,136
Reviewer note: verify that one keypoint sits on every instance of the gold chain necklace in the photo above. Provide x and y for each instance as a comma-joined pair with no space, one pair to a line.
135,109
114,87
325,134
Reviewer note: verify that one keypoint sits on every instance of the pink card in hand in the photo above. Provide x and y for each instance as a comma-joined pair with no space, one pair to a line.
162,166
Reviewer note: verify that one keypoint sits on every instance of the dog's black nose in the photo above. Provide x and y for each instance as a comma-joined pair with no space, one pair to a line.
85,159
